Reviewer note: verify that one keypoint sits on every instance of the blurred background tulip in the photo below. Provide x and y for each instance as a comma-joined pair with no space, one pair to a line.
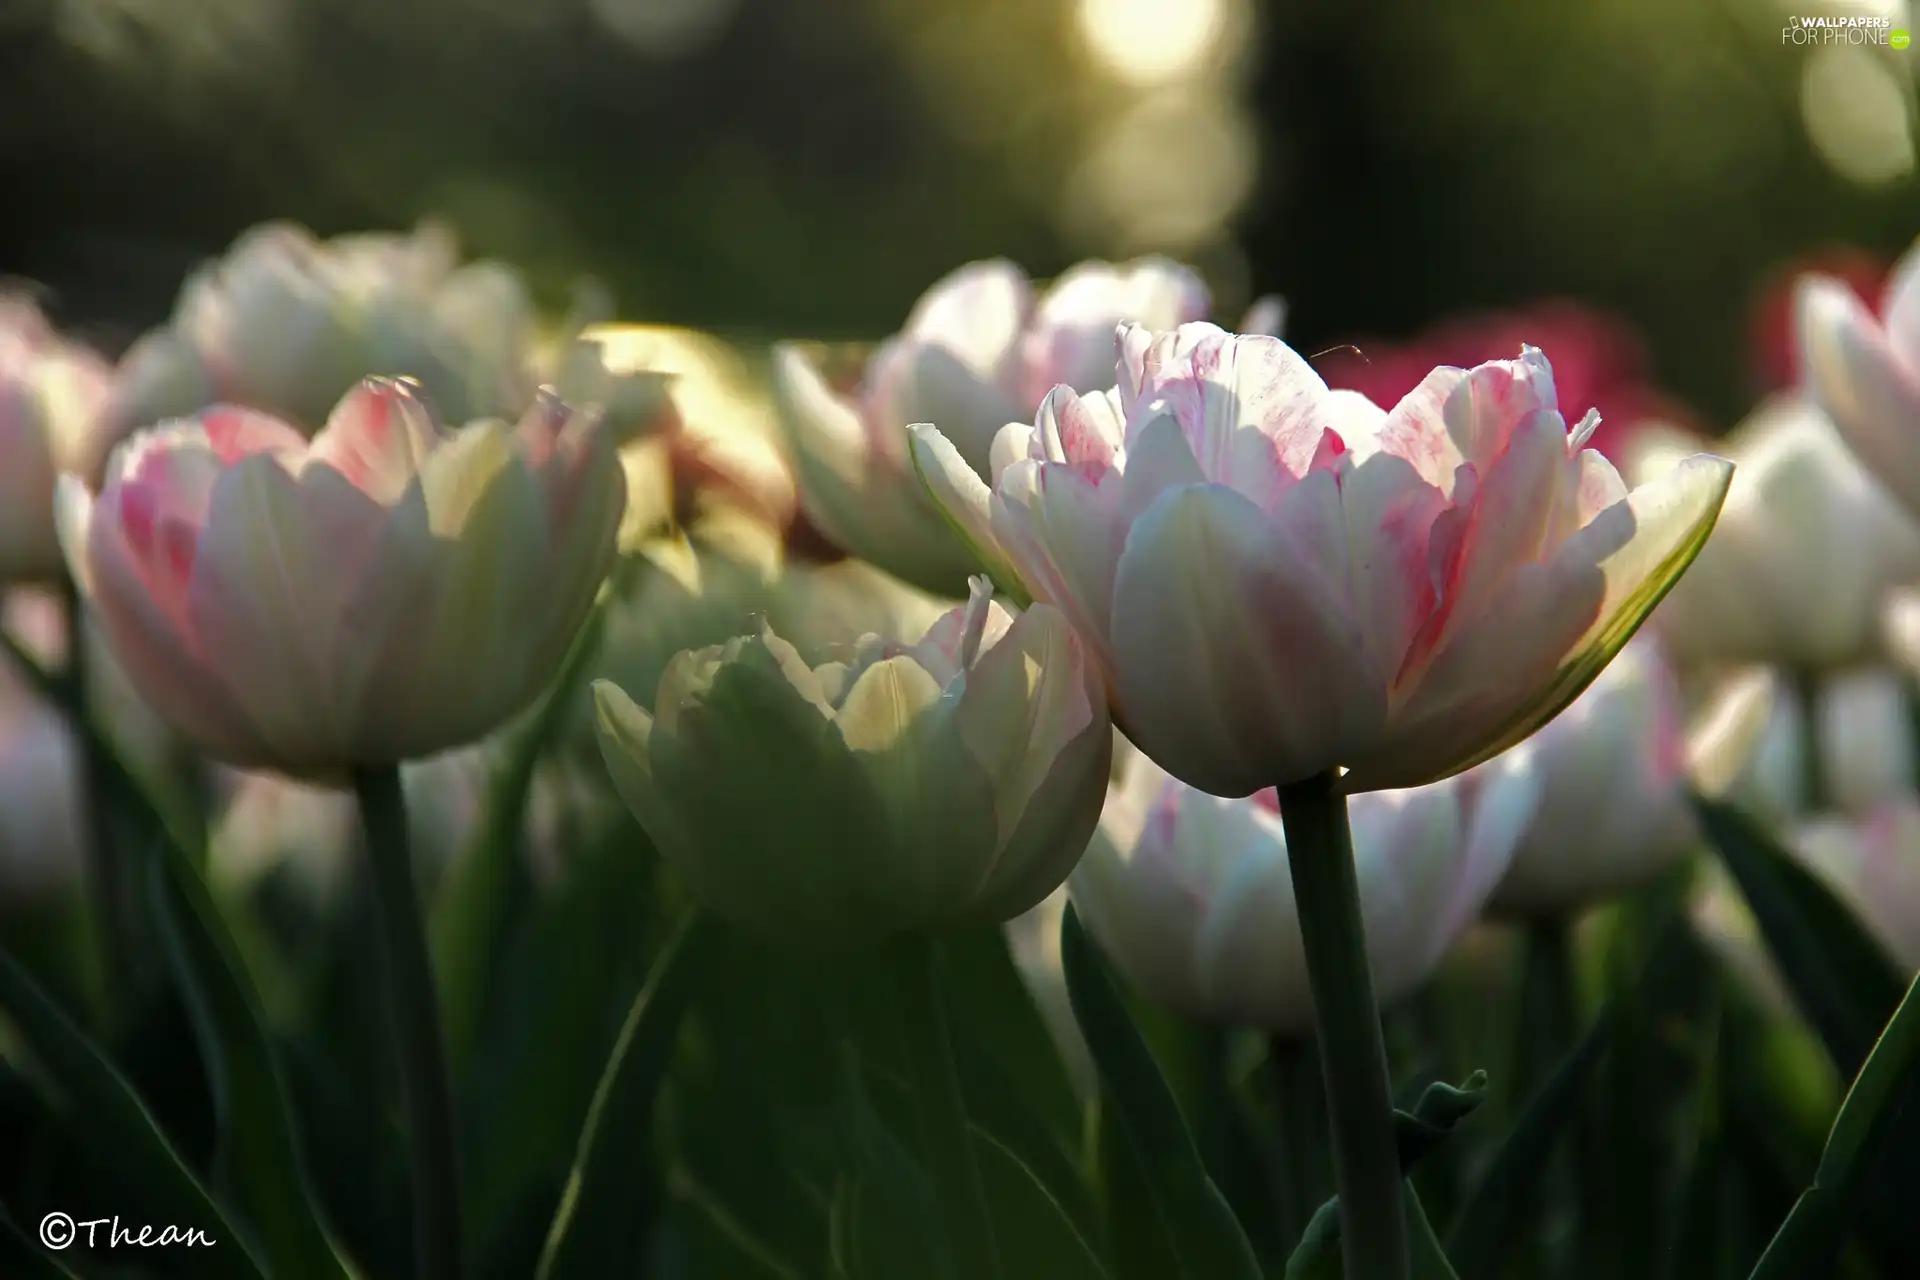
1873,863
286,324
42,806
1865,371
1612,771
1189,894
979,351
51,393
1806,546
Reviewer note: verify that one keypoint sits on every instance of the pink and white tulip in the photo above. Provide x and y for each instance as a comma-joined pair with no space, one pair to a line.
1865,372
1281,580
51,393
978,351
1192,898
386,592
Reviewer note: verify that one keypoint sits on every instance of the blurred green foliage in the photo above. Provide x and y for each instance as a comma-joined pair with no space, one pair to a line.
807,166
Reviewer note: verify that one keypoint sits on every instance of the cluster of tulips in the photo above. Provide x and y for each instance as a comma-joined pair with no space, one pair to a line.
1018,764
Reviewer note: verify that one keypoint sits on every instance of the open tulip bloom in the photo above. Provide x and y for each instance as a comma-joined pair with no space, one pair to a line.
1281,580
389,591
1288,586
328,609
915,787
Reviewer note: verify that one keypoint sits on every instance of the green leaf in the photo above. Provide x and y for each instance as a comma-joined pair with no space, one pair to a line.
1441,1107
1318,1257
597,1231
1011,1074
718,1240
886,1219
1486,1225
110,1114
564,990
1036,1232
1207,1240
1811,1236
261,1165
1840,977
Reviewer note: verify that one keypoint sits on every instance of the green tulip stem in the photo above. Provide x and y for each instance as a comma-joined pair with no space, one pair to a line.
945,1131
1353,1054
416,1024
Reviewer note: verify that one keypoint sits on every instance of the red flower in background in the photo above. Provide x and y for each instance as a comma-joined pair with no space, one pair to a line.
1598,362
1776,358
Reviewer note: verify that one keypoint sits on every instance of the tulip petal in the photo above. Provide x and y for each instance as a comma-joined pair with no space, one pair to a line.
1253,412
623,731
1492,688
159,657
1239,663
1026,698
1870,391
464,556
852,490
378,437
751,729
977,313
966,503
880,709
270,580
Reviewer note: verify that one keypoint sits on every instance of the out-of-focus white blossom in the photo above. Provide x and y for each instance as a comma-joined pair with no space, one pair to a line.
1613,808
1806,547
51,395
1191,897
1873,864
